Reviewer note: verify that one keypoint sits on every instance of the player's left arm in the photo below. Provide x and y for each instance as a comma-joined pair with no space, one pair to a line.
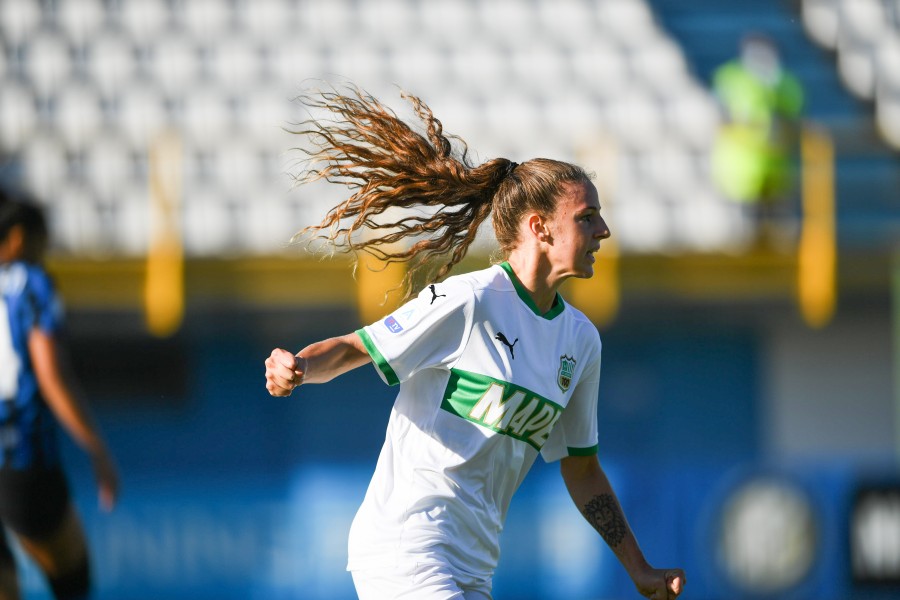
594,496
58,387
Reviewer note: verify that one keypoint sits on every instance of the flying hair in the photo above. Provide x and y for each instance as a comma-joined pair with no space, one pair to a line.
408,186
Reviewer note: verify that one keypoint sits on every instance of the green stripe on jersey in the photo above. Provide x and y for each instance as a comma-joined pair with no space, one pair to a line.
558,304
501,406
379,360
583,451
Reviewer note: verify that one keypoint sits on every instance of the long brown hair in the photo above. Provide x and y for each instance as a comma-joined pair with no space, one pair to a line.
365,146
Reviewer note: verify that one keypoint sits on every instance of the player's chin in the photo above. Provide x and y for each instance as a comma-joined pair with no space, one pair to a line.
580,269
584,272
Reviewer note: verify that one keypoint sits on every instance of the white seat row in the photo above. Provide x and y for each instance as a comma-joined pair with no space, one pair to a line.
388,20
866,37
175,60
87,87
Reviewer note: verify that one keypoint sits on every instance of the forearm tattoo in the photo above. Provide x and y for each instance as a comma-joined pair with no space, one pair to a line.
604,514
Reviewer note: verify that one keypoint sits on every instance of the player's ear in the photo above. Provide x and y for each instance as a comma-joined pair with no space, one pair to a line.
537,227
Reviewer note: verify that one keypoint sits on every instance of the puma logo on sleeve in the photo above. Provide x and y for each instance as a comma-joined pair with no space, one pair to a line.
434,294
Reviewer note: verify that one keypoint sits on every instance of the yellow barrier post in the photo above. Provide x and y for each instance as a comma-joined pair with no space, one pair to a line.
164,283
817,252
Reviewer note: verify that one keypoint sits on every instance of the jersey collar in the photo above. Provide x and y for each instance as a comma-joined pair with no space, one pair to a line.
558,304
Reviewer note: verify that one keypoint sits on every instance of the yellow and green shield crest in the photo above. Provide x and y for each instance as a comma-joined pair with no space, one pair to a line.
566,372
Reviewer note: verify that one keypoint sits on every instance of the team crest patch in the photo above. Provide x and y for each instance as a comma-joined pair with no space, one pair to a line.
566,372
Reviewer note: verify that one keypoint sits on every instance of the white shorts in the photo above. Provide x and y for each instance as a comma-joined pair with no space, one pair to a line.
422,582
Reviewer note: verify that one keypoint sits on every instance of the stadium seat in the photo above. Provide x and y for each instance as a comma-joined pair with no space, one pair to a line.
264,113
857,70
661,67
636,118
18,115
174,63
821,21
265,20
45,165
78,115
449,21
47,63
862,25
643,222
19,19
293,61
887,97
863,19
504,115
459,112
601,67
420,66
325,20
694,116
887,63
670,167
131,221
206,116
574,116
480,67
540,67
204,20
506,21
360,62
141,114
110,62
76,221
234,63
887,117
702,222
630,21
567,20
108,166
207,226
268,221
80,20
387,21
144,20
238,167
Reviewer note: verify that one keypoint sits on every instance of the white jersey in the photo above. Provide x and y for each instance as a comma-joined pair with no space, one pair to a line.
486,382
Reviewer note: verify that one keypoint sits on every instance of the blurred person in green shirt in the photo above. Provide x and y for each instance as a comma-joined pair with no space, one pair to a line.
754,151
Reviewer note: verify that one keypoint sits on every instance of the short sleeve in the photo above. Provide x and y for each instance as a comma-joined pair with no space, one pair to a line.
430,330
575,434
44,307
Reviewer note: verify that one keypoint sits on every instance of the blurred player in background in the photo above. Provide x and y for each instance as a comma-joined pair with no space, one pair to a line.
36,390
493,366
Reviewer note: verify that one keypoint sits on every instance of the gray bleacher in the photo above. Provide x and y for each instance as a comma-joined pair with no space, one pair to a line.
865,35
90,86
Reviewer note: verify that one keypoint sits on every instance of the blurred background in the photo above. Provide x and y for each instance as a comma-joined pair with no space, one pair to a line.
748,158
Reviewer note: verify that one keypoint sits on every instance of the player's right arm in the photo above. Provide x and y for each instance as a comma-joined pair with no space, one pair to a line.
317,363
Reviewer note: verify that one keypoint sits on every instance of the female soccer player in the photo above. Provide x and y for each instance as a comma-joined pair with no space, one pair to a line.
35,387
493,366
